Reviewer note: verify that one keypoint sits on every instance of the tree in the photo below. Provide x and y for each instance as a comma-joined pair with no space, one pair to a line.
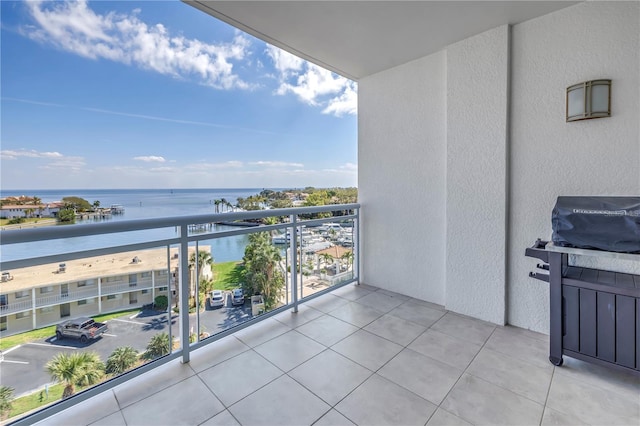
347,257
96,205
262,275
29,212
217,204
121,360
204,260
6,401
327,259
75,369
76,203
158,346
224,203
66,215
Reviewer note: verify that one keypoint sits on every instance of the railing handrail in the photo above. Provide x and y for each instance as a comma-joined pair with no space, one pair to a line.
55,232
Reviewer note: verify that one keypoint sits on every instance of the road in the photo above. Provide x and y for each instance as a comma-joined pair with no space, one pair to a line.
23,367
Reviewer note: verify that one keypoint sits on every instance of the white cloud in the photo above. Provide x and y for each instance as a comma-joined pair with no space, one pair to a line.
75,27
13,155
283,61
150,159
276,164
349,166
214,166
313,85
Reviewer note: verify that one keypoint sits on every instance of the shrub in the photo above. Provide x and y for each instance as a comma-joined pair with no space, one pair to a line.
121,360
161,302
158,346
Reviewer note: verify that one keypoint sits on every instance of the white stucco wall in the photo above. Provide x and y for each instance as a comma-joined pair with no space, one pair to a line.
477,94
550,157
401,162
460,160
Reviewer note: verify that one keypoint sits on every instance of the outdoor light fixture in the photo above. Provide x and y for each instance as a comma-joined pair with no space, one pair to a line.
591,99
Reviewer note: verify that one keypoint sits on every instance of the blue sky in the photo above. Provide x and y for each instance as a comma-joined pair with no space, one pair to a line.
156,94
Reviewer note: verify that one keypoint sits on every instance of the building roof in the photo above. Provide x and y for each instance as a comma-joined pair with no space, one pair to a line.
91,268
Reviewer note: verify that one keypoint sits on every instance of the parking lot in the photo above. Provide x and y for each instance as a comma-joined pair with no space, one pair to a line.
23,367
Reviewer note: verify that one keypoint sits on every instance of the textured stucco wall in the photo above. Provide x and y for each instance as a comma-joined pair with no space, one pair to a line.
550,157
477,95
401,162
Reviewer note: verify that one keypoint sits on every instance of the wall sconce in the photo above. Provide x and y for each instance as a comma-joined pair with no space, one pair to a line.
591,99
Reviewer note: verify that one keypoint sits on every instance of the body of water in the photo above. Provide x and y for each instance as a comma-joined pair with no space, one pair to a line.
138,204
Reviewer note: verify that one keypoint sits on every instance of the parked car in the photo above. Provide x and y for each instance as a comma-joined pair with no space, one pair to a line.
217,299
237,297
82,328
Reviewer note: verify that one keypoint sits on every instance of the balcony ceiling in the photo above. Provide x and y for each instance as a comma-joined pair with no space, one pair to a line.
360,38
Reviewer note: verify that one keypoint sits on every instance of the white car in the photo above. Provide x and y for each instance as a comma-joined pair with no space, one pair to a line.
237,297
217,299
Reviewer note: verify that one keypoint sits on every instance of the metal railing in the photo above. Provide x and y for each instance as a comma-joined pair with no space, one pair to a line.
70,296
184,241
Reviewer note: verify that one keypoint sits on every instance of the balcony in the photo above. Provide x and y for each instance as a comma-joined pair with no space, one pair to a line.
331,352
363,355
160,264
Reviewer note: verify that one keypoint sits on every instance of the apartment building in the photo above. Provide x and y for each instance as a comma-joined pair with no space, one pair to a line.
43,295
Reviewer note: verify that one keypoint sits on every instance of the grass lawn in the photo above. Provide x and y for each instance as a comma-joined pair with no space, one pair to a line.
30,220
227,275
37,400
43,333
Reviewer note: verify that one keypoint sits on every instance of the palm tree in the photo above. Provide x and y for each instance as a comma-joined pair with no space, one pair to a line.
6,403
204,259
217,204
158,346
121,360
347,257
327,259
262,277
75,369
224,203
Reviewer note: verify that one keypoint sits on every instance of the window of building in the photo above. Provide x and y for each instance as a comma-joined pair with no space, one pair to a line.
145,274
82,302
82,284
3,301
163,288
145,291
45,290
46,310
21,315
162,273
113,296
23,293
3,323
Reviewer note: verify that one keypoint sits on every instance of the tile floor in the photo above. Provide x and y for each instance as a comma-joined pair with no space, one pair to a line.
366,356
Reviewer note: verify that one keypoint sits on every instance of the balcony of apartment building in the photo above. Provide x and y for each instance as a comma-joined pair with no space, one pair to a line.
464,146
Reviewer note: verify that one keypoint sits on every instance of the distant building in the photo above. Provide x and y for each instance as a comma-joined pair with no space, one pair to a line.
12,211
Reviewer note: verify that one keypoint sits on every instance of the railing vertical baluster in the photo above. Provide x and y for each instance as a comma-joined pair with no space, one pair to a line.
169,296
183,294
294,262
356,251
197,295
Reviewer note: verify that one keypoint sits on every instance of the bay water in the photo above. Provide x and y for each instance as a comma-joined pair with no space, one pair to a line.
137,204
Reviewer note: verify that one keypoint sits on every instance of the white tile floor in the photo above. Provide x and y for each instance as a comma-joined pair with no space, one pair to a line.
365,356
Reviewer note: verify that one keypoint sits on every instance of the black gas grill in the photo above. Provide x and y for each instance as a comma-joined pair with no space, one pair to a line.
594,314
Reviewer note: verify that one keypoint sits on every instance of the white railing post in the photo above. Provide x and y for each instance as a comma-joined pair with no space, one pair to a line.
356,248
183,294
294,261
